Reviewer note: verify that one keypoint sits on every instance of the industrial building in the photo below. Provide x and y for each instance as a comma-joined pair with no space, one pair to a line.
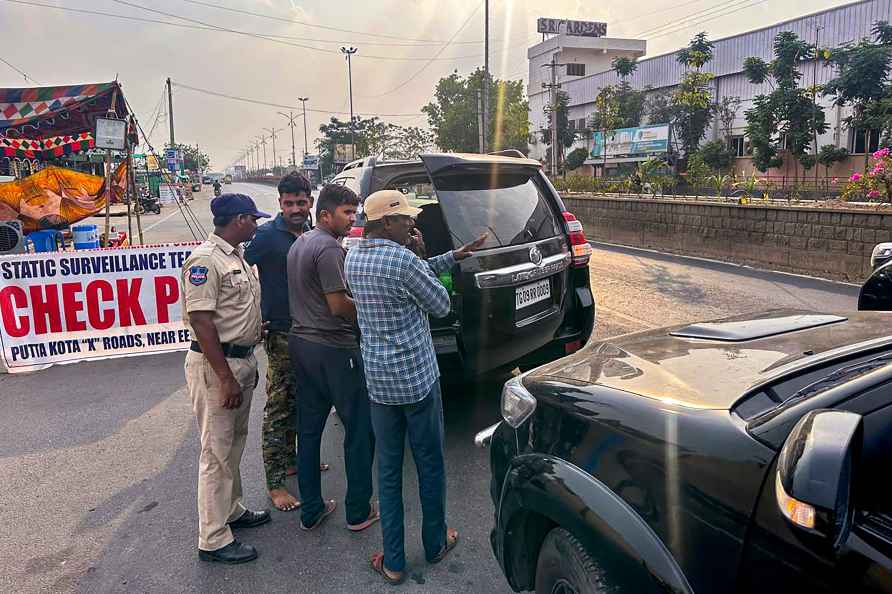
830,28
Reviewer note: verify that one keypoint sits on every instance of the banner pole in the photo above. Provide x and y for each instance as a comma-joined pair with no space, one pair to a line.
108,197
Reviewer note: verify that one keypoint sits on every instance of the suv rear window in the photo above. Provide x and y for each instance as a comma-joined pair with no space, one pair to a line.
510,208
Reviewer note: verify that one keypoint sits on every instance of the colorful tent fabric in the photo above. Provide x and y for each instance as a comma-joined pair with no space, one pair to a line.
46,122
55,197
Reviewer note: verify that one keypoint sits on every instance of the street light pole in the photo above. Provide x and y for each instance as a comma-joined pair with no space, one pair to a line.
304,100
349,51
485,74
262,142
272,131
290,117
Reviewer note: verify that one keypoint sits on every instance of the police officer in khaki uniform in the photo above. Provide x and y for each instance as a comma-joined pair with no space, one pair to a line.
221,300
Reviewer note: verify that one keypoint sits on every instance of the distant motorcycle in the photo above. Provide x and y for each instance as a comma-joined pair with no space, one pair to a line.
148,203
217,190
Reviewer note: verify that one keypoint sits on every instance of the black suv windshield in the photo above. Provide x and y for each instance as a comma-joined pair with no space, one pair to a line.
509,208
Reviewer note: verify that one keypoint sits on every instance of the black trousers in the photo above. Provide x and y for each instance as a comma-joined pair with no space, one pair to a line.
328,376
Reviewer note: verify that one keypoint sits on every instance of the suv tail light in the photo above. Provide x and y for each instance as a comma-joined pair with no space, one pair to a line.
580,248
354,237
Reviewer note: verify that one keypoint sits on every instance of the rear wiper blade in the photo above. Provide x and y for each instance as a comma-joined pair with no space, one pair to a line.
843,373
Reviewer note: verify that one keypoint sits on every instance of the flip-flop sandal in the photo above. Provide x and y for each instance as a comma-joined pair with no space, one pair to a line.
446,548
330,507
378,567
374,516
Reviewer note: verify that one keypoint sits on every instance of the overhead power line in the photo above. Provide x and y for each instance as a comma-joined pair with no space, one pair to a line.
20,71
430,60
328,28
692,19
275,38
712,18
285,106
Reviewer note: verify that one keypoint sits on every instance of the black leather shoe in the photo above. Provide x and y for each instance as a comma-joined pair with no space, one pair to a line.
250,519
233,553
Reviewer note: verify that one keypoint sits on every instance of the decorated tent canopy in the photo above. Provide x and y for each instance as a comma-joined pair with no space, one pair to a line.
47,122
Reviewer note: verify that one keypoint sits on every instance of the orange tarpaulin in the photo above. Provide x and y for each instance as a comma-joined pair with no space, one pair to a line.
56,197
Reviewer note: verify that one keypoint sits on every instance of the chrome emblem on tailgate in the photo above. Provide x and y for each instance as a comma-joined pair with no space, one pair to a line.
535,256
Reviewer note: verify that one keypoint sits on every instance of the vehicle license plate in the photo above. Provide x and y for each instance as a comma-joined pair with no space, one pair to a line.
532,293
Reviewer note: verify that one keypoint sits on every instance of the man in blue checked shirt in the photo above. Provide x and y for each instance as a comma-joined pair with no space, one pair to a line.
394,291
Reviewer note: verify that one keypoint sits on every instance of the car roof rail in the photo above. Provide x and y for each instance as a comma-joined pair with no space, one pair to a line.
509,153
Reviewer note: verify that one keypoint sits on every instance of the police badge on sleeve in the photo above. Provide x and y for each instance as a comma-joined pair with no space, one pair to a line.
198,275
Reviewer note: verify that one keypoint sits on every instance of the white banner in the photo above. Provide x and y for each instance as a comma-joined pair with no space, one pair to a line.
62,307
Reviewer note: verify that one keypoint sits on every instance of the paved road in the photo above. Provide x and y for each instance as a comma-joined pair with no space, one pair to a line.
99,459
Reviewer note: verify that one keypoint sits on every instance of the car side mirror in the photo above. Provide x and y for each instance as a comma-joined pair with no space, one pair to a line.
876,293
882,253
814,473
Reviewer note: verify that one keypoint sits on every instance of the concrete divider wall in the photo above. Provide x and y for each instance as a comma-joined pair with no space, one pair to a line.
827,243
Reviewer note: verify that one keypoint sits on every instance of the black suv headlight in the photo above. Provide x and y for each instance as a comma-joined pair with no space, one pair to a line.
517,403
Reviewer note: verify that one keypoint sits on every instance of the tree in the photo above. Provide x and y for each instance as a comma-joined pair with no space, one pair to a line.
862,81
830,154
576,159
565,136
787,119
453,114
408,143
194,159
727,113
717,155
692,99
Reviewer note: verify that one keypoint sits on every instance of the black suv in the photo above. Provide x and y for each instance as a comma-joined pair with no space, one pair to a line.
525,297
744,455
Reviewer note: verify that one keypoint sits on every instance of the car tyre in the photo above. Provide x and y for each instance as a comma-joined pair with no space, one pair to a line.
566,567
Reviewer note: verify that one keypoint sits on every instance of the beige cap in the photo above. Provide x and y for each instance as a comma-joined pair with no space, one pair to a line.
385,203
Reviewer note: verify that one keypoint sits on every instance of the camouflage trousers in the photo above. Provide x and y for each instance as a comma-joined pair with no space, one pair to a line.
279,413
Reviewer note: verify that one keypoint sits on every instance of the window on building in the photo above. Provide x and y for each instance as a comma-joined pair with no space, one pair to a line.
739,145
572,124
580,124
857,140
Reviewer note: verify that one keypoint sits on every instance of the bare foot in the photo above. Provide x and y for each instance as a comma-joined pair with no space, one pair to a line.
283,500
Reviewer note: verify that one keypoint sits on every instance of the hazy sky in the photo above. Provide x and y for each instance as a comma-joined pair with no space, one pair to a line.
57,47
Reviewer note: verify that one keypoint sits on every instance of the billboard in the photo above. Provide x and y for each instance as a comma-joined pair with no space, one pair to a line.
62,307
311,161
627,142
343,153
569,27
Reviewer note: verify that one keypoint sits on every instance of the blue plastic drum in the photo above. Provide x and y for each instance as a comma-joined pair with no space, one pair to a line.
86,237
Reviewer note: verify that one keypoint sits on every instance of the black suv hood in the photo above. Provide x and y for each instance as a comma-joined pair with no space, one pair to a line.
669,365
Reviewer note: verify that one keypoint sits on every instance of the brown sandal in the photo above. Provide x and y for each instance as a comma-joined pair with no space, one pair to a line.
374,516
330,507
378,567
451,541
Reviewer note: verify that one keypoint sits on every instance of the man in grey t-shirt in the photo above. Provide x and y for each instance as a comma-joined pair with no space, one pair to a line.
328,364
317,260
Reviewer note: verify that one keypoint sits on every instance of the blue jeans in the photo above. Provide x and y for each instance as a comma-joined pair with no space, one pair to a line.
327,376
423,421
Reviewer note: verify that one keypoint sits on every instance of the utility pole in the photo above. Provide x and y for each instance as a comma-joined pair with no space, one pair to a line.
290,117
485,76
272,131
348,52
814,99
262,142
170,111
553,88
480,120
304,100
